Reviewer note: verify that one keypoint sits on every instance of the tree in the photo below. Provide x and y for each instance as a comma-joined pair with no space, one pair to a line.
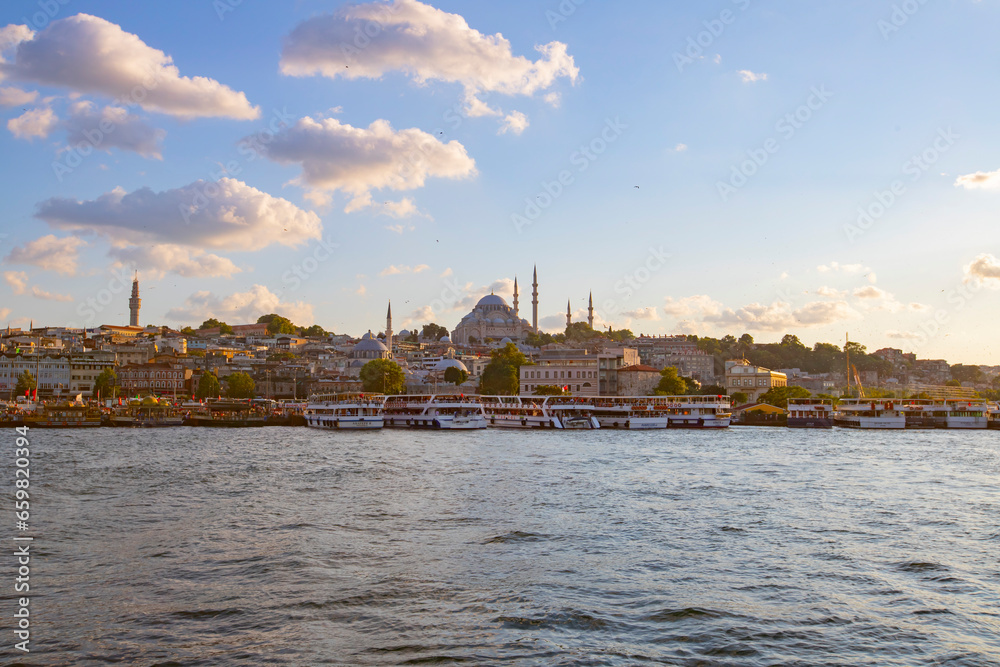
276,324
739,398
240,385
225,329
548,390
433,332
455,375
713,390
208,386
106,383
670,383
964,373
953,383
281,356
501,377
620,335
25,382
188,331
383,376
778,396
315,331
581,332
210,323
538,339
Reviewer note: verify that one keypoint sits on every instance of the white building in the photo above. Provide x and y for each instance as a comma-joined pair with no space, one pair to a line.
51,371
751,380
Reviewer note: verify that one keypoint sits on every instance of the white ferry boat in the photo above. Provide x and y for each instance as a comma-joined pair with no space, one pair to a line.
810,413
345,411
695,411
879,413
518,412
572,412
921,413
993,417
966,413
633,413
441,411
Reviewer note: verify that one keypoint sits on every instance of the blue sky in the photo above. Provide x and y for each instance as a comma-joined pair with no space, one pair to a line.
714,157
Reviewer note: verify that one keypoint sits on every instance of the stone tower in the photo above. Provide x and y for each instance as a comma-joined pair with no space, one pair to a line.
534,301
134,302
590,311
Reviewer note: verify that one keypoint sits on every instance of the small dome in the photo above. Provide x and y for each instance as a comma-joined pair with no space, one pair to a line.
370,343
368,336
445,339
445,364
405,333
492,300
505,341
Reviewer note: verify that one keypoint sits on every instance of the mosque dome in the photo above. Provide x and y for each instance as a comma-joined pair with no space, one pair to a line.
369,343
445,339
491,300
445,364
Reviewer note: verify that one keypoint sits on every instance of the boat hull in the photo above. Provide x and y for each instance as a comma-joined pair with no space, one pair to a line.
871,422
342,424
809,422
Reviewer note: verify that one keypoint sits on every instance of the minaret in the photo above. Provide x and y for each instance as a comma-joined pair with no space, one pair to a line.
134,303
534,302
515,298
569,314
590,311
388,328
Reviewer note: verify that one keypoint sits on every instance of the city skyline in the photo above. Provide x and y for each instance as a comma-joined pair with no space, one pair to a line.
713,170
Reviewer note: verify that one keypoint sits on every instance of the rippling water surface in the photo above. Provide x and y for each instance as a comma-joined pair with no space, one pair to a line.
290,546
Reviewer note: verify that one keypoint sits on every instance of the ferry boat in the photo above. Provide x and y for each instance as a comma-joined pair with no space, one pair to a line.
518,412
345,411
147,413
920,413
876,413
810,413
634,413
993,417
435,411
572,412
695,411
226,414
66,415
966,413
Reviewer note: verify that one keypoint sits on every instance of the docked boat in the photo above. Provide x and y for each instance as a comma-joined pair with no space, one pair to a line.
921,413
348,411
993,417
146,413
810,413
64,415
634,413
572,412
966,413
435,411
875,413
226,414
518,412
695,411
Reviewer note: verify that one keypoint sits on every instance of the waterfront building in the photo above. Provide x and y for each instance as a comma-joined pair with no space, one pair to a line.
742,376
677,351
166,378
86,367
134,302
639,380
609,362
51,370
575,370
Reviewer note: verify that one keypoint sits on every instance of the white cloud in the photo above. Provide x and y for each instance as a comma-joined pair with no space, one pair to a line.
985,269
447,272
18,281
88,54
649,313
680,148
515,123
752,77
875,298
50,253
239,308
39,293
34,123
981,180
903,335
397,270
426,44
157,260
15,97
400,229
503,287
356,161
424,315
4,312
831,292
405,208
779,316
226,214
112,127
693,305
